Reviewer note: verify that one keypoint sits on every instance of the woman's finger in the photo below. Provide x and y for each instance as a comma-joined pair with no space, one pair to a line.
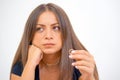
83,63
81,57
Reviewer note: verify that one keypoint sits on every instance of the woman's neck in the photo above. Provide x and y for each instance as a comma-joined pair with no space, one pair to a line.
51,59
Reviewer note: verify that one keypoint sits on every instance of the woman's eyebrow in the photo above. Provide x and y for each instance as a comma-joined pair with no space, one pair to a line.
54,24
40,24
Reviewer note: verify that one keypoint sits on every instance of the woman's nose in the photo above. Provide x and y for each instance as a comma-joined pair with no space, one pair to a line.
48,34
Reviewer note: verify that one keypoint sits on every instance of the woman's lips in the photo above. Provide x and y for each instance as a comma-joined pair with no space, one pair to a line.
48,44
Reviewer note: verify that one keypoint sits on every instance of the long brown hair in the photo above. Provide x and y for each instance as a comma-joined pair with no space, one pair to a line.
70,40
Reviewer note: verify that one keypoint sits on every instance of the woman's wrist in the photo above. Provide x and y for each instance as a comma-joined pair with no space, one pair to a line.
31,64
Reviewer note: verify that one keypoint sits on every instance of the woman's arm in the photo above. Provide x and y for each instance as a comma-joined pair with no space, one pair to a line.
34,57
14,77
27,74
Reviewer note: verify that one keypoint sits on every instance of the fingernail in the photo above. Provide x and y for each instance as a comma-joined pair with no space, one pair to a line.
73,64
76,67
72,51
70,56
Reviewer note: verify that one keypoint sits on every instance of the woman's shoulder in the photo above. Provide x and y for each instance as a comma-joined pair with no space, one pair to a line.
17,68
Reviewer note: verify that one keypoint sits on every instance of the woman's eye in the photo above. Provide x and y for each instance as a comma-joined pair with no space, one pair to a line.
56,28
40,29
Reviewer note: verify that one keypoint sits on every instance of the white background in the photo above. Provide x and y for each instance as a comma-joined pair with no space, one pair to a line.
96,23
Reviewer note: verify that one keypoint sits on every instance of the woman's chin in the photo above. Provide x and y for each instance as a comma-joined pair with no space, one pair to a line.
49,51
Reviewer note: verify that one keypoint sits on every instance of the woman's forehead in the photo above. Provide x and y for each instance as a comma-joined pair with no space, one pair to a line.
47,17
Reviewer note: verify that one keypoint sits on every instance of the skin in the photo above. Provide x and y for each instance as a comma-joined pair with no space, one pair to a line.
84,63
46,46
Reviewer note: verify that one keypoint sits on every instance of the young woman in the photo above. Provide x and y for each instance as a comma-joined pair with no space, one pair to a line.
50,50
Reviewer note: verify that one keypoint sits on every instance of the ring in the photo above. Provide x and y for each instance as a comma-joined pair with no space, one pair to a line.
70,51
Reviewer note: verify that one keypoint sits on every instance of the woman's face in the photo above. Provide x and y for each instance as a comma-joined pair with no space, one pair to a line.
48,35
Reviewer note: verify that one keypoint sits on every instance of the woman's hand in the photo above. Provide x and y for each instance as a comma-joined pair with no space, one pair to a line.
34,55
84,62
